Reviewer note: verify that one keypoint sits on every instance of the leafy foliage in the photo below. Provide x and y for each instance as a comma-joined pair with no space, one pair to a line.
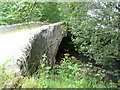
95,29
19,12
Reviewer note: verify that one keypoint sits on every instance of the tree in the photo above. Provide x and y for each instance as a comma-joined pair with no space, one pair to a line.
94,28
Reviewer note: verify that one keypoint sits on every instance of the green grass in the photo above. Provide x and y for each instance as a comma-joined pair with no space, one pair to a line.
64,82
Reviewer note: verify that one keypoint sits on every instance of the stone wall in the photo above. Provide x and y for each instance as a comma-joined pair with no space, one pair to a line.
20,26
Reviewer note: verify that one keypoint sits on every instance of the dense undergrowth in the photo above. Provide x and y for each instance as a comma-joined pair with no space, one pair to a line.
71,73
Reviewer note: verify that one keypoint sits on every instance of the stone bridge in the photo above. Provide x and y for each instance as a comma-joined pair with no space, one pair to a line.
21,50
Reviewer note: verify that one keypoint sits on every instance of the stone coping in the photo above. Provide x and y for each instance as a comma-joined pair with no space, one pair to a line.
14,27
